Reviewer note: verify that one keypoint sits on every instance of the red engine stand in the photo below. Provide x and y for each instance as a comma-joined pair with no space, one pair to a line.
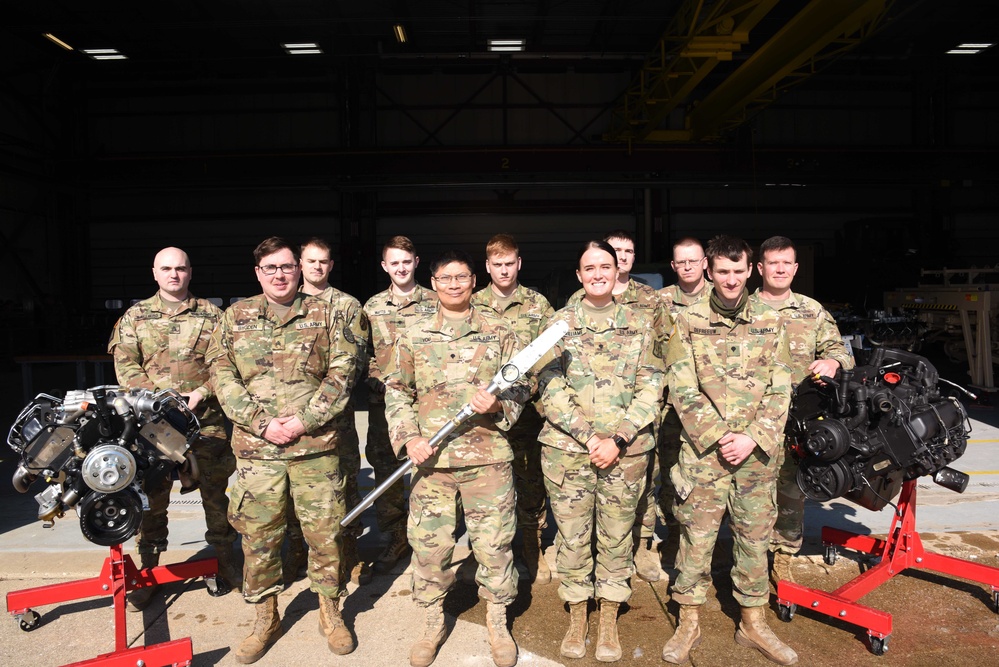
903,549
118,576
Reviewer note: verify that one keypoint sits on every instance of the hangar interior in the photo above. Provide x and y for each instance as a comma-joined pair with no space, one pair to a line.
847,125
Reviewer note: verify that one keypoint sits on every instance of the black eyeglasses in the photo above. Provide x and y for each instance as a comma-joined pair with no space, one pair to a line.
271,269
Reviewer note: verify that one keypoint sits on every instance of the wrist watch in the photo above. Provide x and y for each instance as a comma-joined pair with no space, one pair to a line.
619,441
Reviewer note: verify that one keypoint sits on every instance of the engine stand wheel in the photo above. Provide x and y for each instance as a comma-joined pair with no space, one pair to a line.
995,601
217,586
879,645
28,621
831,555
786,612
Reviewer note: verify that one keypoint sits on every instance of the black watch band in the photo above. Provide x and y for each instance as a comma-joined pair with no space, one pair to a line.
619,441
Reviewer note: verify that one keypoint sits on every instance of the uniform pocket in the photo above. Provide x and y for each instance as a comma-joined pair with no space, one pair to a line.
554,471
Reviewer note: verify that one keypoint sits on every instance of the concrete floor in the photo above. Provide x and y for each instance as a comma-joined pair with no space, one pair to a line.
937,620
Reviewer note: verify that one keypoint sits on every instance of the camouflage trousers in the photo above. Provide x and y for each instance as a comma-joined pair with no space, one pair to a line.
390,507
584,498
489,503
708,486
527,476
648,505
258,509
350,467
668,449
216,464
790,525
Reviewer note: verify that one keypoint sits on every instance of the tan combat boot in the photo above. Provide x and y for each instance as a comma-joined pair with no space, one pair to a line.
140,598
686,637
608,643
295,560
754,632
534,557
574,642
227,567
266,630
503,647
781,569
331,625
397,547
424,650
647,559
356,569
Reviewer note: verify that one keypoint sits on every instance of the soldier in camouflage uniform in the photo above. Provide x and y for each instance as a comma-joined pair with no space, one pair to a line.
316,265
641,297
441,363
817,349
282,363
527,312
689,263
390,313
730,382
160,343
601,395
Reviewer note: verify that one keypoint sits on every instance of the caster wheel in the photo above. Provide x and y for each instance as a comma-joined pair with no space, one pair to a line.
831,555
28,621
217,586
786,612
879,645
995,601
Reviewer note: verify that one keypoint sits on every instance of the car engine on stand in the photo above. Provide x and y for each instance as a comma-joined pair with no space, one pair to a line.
96,449
862,434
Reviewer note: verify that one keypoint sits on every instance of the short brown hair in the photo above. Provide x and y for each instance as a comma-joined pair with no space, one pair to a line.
316,242
399,243
777,243
271,245
729,247
501,244
622,234
688,242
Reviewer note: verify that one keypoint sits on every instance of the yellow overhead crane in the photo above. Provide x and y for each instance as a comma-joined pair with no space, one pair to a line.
703,34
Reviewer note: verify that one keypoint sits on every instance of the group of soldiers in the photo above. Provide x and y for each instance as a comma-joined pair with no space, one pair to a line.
667,404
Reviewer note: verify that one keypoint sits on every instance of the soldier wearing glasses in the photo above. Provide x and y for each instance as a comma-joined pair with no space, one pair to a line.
440,363
689,263
282,366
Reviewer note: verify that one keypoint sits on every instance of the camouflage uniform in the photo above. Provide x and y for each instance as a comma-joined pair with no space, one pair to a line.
812,334
349,449
437,367
605,379
156,346
527,312
645,299
675,301
727,375
389,315
264,367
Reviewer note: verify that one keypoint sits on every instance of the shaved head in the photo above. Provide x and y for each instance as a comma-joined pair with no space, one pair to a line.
172,272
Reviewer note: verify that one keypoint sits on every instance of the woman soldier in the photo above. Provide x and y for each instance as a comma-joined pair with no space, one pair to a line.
600,396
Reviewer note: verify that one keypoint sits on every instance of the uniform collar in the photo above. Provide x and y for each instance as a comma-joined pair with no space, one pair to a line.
618,319
470,324
744,315
160,304
416,296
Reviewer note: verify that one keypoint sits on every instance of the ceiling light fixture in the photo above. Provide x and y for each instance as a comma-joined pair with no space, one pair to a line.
55,40
972,45
105,54
301,48
969,48
400,33
496,45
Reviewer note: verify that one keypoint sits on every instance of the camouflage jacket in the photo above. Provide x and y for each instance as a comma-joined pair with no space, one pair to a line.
811,333
527,313
389,316
355,323
730,375
435,371
675,300
263,368
156,349
605,379
645,299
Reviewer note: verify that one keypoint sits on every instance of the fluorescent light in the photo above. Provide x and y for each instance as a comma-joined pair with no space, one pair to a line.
116,56
92,52
973,46
962,51
506,45
55,40
301,45
303,52
105,54
400,33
